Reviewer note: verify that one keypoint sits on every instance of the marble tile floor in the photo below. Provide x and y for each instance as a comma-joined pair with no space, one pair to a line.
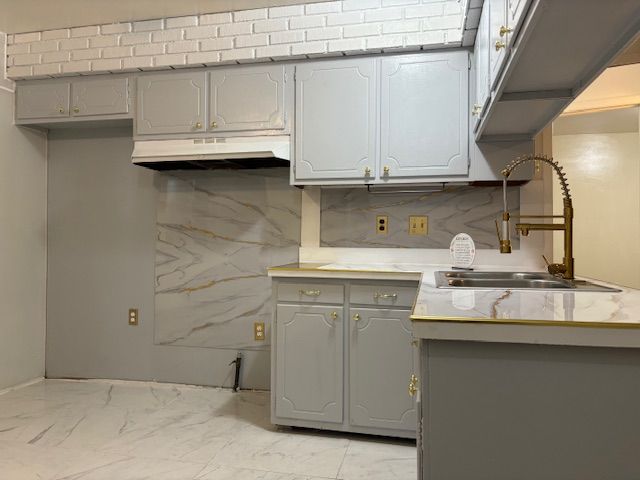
115,430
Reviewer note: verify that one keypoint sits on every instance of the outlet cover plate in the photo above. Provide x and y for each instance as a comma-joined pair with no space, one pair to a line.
382,224
258,331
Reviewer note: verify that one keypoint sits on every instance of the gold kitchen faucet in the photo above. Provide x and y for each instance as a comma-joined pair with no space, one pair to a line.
566,268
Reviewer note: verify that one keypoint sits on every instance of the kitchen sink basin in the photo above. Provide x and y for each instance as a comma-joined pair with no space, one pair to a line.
515,281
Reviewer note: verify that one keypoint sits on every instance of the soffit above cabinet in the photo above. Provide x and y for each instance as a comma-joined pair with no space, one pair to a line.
19,16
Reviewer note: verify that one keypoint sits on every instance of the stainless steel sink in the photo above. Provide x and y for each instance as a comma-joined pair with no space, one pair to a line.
515,281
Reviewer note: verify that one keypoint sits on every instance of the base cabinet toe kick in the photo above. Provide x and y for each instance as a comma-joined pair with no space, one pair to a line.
342,356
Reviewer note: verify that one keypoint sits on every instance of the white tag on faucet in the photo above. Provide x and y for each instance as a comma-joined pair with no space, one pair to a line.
463,250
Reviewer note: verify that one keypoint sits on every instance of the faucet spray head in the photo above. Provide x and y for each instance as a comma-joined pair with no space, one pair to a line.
505,241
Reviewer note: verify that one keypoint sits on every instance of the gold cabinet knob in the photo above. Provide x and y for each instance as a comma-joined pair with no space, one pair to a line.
367,171
504,30
500,45
198,125
76,110
413,386
60,109
356,317
476,110
334,315
214,125
386,170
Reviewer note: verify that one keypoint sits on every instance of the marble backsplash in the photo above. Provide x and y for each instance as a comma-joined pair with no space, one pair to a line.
348,217
217,232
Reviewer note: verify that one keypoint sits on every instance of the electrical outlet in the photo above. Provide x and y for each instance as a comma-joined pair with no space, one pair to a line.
133,316
258,331
382,224
418,224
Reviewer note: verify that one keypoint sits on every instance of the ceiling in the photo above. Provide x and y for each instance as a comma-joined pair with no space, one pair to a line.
35,15
616,87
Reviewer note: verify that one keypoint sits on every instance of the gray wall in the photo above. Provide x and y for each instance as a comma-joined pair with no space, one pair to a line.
102,248
22,249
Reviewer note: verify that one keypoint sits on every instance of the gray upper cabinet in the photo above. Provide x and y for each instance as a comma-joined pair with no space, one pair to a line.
336,120
481,61
247,98
171,103
424,115
381,364
42,100
498,38
515,14
309,362
100,97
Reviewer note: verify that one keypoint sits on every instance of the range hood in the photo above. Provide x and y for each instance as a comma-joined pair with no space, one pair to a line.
213,153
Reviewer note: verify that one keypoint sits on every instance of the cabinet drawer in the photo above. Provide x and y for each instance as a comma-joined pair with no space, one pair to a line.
389,295
311,292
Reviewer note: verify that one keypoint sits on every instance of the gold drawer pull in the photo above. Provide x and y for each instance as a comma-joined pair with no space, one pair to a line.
356,317
334,315
413,386
60,109
500,45
198,125
310,293
378,295
76,109
367,171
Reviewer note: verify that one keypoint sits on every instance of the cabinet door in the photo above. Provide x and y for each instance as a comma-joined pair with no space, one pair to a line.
247,98
100,97
46,100
336,120
309,362
515,14
171,103
424,115
498,43
481,61
381,364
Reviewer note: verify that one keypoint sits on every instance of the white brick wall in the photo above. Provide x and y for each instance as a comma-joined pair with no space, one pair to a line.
313,30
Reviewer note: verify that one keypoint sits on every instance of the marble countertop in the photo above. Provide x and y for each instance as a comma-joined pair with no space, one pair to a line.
620,310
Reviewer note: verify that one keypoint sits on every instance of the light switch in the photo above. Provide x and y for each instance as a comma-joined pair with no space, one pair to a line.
418,225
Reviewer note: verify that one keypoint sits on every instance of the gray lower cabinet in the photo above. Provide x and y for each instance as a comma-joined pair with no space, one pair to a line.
342,356
247,98
309,362
424,115
100,97
381,362
505,411
171,103
336,104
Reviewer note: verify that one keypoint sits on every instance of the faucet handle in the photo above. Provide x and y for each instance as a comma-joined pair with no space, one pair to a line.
554,268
